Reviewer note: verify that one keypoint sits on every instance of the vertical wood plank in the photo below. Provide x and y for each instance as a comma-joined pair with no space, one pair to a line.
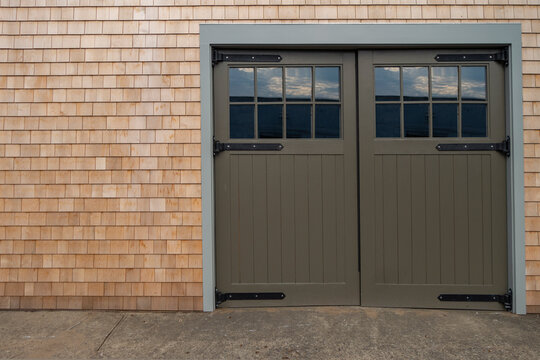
487,220
260,220
433,215
245,209
273,200
288,219
234,211
340,191
418,218
379,220
301,216
329,224
316,262
389,179
474,175
461,214
446,193
404,218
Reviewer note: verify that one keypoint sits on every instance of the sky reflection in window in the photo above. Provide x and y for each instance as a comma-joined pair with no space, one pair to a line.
327,83
298,83
473,83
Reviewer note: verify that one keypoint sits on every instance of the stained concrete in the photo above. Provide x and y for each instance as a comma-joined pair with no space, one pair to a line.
276,333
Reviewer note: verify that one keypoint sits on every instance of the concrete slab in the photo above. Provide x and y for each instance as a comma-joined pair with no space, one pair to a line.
277,333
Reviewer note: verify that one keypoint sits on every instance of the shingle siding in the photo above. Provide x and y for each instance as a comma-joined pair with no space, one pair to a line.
100,194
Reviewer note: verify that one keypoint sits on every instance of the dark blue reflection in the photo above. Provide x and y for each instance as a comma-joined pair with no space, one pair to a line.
327,121
270,121
387,84
473,120
298,121
473,83
241,120
416,120
327,84
445,117
415,83
269,84
241,84
388,120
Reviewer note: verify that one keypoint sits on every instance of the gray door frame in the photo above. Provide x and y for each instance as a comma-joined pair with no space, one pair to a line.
357,36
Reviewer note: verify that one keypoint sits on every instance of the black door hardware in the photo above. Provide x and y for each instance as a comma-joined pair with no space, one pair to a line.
222,297
505,299
501,56
503,147
219,147
218,56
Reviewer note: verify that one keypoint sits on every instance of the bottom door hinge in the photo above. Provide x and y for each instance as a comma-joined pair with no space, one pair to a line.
505,299
222,297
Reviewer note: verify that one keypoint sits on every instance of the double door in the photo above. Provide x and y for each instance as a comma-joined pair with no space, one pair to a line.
331,187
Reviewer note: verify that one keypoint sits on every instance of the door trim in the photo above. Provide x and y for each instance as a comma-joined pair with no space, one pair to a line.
357,36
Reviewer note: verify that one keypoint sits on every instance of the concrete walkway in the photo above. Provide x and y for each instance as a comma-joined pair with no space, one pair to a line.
286,333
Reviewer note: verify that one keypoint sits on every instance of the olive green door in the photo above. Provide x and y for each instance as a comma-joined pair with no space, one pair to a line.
432,222
286,219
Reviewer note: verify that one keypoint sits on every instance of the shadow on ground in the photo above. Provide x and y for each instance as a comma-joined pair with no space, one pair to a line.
276,333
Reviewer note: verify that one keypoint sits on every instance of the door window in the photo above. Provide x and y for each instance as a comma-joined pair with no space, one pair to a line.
295,102
431,101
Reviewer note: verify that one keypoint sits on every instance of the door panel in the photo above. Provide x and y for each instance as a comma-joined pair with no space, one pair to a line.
286,221
431,222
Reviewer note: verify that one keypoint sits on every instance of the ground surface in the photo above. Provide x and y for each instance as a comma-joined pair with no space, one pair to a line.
285,333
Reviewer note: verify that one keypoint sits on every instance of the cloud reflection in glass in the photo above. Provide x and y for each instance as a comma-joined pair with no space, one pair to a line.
298,83
473,83
327,83
444,83
269,84
415,84
241,84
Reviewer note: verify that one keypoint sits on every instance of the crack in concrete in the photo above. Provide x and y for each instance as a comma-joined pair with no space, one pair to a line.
110,333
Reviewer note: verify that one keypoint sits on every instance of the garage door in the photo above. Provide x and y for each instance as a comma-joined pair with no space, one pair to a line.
286,178
433,212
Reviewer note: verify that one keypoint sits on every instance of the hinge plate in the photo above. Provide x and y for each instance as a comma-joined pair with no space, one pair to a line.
503,147
222,297
505,300
219,147
501,56
218,56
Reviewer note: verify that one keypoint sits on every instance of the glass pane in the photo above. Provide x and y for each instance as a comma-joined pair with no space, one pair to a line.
473,83
388,120
416,120
298,83
299,121
241,86
241,120
387,84
473,120
415,83
444,82
327,83
269,84
445,119
270,121
327,121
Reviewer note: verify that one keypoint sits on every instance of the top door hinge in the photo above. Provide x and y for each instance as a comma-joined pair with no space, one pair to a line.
501,56
218,56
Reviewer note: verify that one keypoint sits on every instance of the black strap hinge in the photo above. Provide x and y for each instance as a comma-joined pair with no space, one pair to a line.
505,299
503,147
219,147
222,297
501,56
218,56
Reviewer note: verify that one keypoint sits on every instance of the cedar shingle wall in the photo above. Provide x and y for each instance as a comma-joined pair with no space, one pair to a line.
100,140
